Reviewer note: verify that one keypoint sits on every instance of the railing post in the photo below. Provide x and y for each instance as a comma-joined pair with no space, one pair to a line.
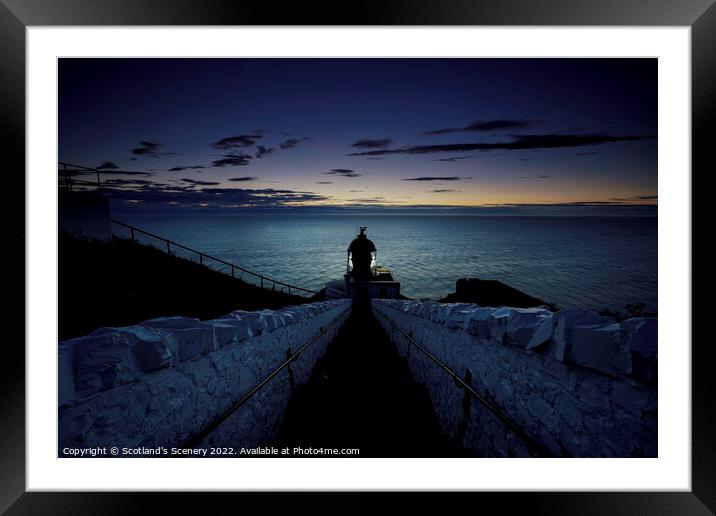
232,271
262,281
410,341
289,290
466,401
291,381
68,182
201,259
169,251
131,232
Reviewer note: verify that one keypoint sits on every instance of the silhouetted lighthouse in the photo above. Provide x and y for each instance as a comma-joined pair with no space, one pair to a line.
363,277
361,253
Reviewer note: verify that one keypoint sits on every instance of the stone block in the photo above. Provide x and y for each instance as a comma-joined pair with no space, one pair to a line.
224,332
434,312
150,348
251,320
450,314
103,360
192,342
543,333
562,321
289,316
268,320
176,322
601,347
498,324
641,334
311,309
243,327
478,322
523,324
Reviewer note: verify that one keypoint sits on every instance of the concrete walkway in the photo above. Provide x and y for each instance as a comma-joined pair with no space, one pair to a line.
361,396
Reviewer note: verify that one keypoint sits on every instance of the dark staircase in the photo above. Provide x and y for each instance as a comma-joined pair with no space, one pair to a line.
361,395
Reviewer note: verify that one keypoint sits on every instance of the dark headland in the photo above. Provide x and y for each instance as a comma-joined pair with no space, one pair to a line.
490,293
121,282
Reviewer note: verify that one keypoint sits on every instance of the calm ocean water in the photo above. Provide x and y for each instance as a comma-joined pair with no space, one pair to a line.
593,262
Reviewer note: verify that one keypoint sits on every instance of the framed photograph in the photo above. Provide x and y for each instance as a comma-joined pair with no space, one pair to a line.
414,248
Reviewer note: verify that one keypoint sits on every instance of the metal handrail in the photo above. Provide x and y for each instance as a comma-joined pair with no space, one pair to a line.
168,242
214,424
541,450
79,168
69,181
202,255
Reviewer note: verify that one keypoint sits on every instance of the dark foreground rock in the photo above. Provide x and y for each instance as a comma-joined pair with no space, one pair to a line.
490,293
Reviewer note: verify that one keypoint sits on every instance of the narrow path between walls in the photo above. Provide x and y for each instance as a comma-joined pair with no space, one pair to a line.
361,396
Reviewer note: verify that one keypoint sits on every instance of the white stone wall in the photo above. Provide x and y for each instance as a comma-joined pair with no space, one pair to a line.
577,383
162,381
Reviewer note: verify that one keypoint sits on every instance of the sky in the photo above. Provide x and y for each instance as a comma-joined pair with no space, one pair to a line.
237,133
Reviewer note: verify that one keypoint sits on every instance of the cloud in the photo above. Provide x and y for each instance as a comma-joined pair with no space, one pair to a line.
127,182
343,172
445,191
586,153
107,165
366,143
435,178
370,200
484,125
262,151
542,176
234,145
636,198
200,183
324,182
453,159
215,197
560,204
292,142
266,196
123,184
232,160
146,148
186,167
241,140
244,178
519,142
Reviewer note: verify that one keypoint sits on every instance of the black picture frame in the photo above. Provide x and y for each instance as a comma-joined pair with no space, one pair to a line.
17,15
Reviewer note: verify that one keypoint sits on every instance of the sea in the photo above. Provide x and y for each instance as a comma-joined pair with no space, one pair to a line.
598,262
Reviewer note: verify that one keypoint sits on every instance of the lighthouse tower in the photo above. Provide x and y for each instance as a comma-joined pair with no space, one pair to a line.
361,254
363,277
